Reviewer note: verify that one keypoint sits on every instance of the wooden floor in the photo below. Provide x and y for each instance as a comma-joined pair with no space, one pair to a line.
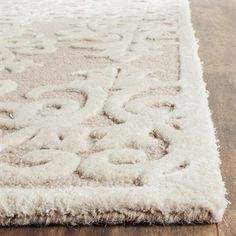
215,25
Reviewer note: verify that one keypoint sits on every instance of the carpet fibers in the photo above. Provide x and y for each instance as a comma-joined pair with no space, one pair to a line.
104,115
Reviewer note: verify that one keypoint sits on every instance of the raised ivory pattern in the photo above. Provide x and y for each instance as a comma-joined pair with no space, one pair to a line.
112,125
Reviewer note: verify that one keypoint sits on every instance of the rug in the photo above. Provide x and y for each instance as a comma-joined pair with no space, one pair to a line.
104,115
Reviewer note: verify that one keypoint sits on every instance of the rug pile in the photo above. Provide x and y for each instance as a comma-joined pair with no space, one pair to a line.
104,115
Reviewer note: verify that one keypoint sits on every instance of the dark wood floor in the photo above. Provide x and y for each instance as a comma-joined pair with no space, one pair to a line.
215,25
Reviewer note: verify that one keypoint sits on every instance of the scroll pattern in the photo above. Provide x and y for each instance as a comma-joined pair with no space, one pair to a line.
111,125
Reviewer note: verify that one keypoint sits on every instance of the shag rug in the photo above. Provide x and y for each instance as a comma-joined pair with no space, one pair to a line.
104,115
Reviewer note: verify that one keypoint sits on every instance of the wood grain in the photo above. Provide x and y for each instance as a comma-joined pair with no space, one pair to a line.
215,25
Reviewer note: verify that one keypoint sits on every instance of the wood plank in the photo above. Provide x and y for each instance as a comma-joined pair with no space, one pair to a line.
95,231
30,230
69,231
152,230
205,230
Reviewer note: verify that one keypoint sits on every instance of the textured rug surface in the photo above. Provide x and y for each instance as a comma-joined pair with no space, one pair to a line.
104,115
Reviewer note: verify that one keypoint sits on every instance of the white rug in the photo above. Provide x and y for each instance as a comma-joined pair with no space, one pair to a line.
104,115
